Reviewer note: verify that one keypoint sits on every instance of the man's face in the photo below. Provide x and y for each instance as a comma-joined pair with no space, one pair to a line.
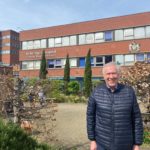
111,76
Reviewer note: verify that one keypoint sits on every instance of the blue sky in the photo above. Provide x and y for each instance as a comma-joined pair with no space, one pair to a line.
31,14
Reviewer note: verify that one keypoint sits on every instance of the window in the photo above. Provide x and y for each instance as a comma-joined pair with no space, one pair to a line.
128,34
51,63
63,62
81,39
139,57
58,63
73,62
81,62
99,61
30,65
118,35
99,37
73,40
30,45
37,64
58,42
108,36
92,61
37,44
139,32
89,38
108,59
129,59
65,41
148,57
51,42
119,59
24,65
24,45
43,43
147,29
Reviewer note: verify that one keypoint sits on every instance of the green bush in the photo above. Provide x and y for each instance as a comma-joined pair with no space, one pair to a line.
73,87
12,137
147,137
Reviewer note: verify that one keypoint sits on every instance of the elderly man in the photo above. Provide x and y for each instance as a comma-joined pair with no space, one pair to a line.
113,116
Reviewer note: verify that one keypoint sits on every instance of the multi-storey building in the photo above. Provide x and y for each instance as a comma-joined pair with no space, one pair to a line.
123,39
9,48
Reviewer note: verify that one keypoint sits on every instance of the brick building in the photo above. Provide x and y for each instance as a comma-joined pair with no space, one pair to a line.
123,39
9,48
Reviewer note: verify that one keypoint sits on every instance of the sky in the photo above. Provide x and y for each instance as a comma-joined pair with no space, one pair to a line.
21,15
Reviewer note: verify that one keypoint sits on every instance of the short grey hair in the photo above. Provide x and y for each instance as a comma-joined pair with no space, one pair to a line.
111,64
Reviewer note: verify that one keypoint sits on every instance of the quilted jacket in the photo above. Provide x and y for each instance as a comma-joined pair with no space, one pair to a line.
114,118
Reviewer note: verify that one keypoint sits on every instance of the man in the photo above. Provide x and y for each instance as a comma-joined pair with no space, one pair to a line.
113,116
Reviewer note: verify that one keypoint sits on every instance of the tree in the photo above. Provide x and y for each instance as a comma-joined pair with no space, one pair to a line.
43,67
138,76
88,75
66,74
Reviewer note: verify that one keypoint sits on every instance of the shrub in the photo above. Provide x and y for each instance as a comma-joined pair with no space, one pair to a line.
14,138
73,87
146,137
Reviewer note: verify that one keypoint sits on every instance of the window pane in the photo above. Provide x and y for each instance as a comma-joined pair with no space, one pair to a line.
118,35
82,39
24,45
108,59
65,41
73,62
58,42
43,43
139,57
30,65
99,37
108,36
37,64
147,31
24,65
81,62
139,32
90,38
99,61
119,59
30,45
51,42
129,59
63,62
37,44
51,63
148,57
73,40
128,34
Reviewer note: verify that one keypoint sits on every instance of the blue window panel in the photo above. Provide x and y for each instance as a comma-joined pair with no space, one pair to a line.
81,62
139,57
148,57
50,62
108,36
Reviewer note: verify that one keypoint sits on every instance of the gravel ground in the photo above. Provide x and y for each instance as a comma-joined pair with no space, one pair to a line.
71,127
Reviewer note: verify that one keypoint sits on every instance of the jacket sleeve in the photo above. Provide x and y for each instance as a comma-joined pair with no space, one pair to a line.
91,112
137,122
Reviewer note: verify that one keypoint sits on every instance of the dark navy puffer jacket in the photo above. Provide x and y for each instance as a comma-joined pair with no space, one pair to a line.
114,119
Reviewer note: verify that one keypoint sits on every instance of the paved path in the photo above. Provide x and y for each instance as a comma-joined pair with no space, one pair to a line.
71,126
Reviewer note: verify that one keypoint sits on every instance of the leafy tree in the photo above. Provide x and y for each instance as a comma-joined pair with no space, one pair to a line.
88,75
66,74
43,67
138,76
